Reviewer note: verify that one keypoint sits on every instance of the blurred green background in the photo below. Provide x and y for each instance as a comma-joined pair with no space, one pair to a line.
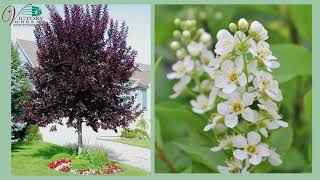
181,144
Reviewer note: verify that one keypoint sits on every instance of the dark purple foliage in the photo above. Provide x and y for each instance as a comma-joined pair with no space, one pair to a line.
85,67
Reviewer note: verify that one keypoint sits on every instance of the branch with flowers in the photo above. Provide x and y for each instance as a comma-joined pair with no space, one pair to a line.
235,85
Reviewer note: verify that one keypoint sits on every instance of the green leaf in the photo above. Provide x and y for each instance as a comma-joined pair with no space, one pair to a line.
301,16
281,139
295,60
293,161
178,120
158,133
202,154
307,104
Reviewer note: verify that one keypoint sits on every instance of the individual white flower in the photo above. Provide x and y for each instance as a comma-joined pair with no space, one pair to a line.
205,87
206,57
250,148
233,166
262,53
274,121
225,143
205,38
181,68
195,48
274,158
225,42
181,53
197,69
241,43
214,121
237,104
232,76
175,45
243,25
180,86
258,32
201,104
265,83
186,34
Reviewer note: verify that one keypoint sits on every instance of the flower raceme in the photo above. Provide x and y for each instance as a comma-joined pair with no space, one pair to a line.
234,84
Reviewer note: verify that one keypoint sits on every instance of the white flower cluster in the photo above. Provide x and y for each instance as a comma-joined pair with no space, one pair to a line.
235,84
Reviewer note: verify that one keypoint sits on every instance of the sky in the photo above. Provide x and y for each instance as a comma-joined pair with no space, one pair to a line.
136,16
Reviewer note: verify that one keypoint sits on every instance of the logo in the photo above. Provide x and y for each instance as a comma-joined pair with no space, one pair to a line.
29,15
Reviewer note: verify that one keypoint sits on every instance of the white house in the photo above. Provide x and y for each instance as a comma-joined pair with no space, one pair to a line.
27,51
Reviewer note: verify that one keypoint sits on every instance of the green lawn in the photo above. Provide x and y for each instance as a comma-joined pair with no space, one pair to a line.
32,158
145,143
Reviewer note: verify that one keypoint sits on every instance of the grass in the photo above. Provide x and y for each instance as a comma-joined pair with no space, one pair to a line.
145,143
32,158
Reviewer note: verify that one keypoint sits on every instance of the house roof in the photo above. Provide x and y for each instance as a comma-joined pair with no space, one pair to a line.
142,74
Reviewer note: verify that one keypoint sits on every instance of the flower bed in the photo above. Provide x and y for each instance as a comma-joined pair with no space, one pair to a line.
64,165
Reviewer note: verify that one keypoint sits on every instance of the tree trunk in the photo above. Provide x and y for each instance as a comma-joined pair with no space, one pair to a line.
80,144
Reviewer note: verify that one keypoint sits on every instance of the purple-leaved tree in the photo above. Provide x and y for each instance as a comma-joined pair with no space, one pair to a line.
84,71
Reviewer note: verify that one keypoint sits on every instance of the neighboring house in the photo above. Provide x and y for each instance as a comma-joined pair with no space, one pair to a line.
28,54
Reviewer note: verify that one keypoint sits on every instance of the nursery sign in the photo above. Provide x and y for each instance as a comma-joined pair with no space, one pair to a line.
29,15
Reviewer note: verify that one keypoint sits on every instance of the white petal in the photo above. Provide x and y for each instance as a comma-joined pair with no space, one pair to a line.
223,169
242,80
253,138
240,154
274,64
263,150
264,132
275,94
247,98
255,159
274,158
252,67
221,81
239,64
282,123
223,108
216,149
231,120
230,88
227,66
249,115
198,111
272,125
239,141
214,63
209,126
213,95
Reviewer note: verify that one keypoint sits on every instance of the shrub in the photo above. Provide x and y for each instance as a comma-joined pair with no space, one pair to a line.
32,128
98,158
80,164
61,156
142,124
33,137
135,133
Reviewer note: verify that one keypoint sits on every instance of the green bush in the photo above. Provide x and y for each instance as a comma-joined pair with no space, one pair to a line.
142,124
80,164
98,158
33,137
135,133
61,156
32,128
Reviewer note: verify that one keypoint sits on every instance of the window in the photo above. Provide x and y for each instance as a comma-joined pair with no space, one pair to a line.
144,99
